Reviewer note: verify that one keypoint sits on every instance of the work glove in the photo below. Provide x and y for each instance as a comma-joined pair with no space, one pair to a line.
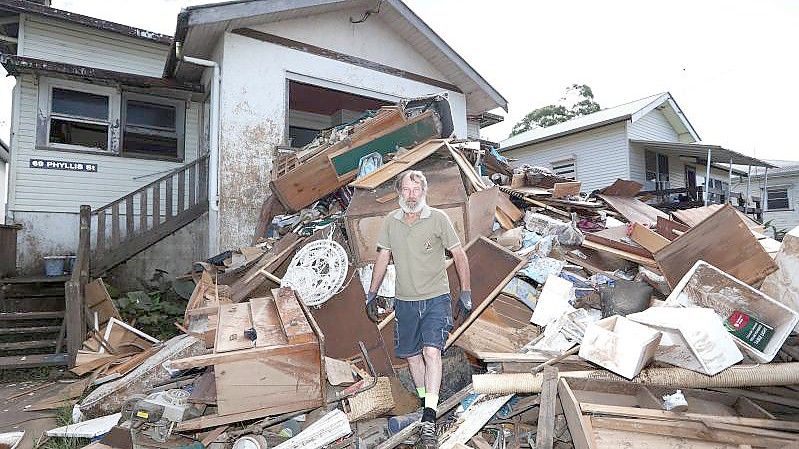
465,303
371,307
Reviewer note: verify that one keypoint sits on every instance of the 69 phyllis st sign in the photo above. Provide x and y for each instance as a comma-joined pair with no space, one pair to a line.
63,165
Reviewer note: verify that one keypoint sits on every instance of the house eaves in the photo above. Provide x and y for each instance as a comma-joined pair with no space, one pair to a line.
27,7
16,65
200,27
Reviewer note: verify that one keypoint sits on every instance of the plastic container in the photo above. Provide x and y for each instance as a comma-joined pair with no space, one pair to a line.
54,265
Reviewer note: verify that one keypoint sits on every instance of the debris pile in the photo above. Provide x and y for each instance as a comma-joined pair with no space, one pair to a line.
597,319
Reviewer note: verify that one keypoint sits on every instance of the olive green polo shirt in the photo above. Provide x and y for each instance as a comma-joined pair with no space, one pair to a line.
418,251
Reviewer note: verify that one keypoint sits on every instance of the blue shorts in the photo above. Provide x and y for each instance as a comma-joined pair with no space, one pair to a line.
421,323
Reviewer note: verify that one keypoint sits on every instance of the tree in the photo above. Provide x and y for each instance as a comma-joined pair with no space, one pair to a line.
577,100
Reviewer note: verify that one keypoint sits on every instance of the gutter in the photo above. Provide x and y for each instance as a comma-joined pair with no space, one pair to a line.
213,147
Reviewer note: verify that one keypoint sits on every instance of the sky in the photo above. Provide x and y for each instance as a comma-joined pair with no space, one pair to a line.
731,65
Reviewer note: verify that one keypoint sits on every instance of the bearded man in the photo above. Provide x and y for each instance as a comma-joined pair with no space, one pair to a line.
416,236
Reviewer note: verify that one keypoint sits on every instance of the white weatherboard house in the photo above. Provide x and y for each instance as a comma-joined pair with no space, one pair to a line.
172,139
777,191
649,141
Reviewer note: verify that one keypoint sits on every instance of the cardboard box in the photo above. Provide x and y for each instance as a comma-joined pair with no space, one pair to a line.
620,345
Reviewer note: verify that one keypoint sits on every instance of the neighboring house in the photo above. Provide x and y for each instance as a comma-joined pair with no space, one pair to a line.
102,109
4,157
648,140
776,191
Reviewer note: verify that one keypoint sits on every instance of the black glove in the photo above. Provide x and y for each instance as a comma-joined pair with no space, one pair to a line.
465,303
371,307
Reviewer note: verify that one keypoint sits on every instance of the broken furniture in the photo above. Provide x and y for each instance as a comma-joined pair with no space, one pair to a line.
268,359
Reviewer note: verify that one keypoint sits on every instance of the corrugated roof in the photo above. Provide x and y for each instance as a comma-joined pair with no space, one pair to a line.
699,151
600,118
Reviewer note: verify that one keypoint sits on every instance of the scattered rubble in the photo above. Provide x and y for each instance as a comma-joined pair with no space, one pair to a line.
597,319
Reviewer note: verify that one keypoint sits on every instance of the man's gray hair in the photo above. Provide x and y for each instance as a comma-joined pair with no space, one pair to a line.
415,175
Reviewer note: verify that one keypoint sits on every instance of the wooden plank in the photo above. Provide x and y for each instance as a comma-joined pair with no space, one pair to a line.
402,162
545,433
144,211
100,247
564,189
234,319
617,238
244,354
129,227
273,381
115,225
633,210
495,265
579,427
295,325
622,188
181,191
666,228
648,238
242,287
266,322
623,254
193,185
711,241
156,205
692,430
508,208
169,204
633,412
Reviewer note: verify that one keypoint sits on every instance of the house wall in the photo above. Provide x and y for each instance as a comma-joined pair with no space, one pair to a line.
254,102
653,126
601,155
46,202
38,190
56,40
783,219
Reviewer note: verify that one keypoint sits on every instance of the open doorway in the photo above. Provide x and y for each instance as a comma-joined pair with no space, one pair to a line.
313,108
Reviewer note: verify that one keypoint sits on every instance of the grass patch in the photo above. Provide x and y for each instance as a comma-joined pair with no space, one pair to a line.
63,418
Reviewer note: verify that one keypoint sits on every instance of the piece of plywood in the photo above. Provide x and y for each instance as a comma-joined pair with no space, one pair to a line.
564,189
579,427
670,229
649,262
295,324
723,240
481,207
633,209
505,205
97,299
234,319
649,239
623,188
402,162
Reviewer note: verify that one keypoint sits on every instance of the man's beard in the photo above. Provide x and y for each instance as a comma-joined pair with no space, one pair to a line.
406,208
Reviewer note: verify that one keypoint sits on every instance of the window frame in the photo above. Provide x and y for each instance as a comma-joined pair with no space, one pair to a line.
180,125
787,198
46,87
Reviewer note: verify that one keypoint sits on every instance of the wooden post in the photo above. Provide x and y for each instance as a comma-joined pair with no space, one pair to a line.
73,313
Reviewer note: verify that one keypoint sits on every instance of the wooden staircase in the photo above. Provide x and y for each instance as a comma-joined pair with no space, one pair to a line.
123,228
32,322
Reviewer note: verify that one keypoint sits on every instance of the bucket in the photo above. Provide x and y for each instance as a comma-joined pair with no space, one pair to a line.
54,265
